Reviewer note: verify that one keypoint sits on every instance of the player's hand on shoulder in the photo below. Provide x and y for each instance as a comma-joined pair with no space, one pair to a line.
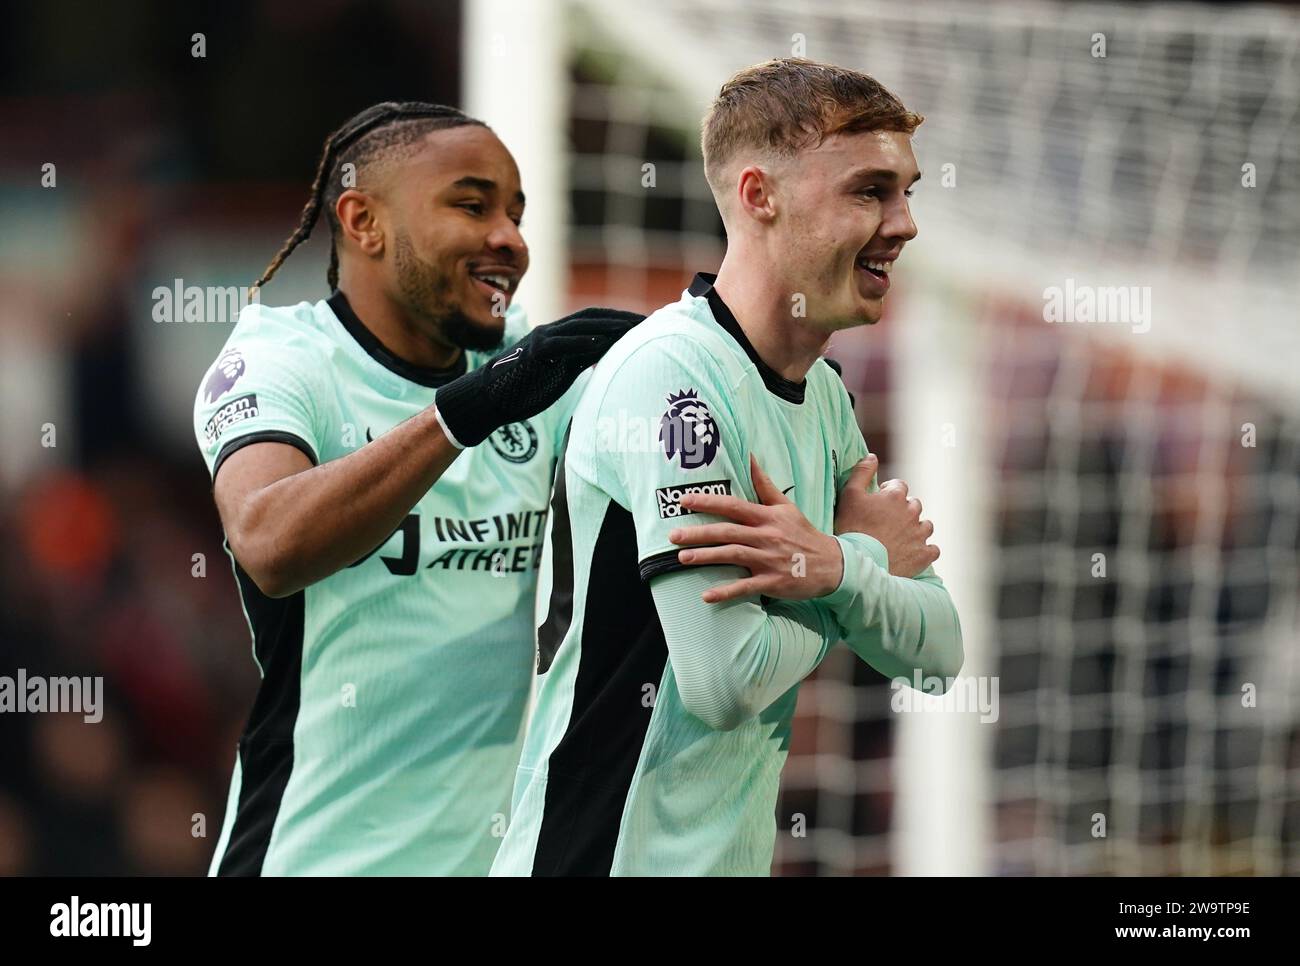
890,515
530,376
786,556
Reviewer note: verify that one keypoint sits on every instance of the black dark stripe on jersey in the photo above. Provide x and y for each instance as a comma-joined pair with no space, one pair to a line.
424,375
269,436
661,563
777,384
559,615
590,771
666,562
266,748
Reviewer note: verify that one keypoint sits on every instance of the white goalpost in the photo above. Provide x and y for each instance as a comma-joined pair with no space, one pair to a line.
513,78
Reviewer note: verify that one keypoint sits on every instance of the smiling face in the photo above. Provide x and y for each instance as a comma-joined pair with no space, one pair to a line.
453,253
846,220
811,165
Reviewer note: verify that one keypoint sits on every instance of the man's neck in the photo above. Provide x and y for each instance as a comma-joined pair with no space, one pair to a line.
781,338
393,327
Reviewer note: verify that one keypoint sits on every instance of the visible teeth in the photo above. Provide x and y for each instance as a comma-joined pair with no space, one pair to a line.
497,281
882,267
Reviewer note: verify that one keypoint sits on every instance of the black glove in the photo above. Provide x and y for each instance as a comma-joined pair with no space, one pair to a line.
529,377
839,371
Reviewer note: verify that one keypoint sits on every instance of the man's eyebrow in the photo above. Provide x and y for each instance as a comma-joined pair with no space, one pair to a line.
879,174
486,185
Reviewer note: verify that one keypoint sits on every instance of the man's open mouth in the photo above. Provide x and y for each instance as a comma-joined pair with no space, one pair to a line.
496,281
876,272
879,269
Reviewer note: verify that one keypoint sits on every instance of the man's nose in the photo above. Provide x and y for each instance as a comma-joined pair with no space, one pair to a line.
506,235
899,222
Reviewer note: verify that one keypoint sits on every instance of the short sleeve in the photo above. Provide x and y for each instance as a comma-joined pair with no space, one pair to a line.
258,390
666,426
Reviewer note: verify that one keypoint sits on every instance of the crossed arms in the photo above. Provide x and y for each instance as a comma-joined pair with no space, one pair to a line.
870,585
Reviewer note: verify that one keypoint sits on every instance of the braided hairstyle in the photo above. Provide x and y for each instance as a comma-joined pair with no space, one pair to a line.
362,138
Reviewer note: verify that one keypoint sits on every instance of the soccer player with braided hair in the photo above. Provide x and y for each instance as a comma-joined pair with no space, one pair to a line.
382,461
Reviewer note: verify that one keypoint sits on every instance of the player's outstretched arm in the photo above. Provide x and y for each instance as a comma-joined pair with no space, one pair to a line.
531,375
290,524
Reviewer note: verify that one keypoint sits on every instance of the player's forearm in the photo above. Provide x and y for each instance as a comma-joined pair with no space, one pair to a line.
305,527
898,625
732,660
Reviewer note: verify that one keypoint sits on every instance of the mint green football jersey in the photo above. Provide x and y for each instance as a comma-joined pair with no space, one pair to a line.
388,722
617,777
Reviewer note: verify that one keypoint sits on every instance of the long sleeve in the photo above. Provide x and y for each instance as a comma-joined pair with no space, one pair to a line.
732,660
898,625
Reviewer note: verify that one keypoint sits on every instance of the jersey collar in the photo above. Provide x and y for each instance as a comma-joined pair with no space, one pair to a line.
776,383
424,375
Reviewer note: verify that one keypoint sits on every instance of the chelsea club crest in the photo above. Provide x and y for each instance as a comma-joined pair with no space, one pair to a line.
516,442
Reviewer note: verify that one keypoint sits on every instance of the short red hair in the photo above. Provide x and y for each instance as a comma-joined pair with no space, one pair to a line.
789,104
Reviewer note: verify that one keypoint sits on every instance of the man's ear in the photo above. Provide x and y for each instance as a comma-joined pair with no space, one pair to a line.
358,215
754,196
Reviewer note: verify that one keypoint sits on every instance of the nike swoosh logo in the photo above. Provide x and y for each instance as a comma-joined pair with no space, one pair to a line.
510,358
788,489
369,438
